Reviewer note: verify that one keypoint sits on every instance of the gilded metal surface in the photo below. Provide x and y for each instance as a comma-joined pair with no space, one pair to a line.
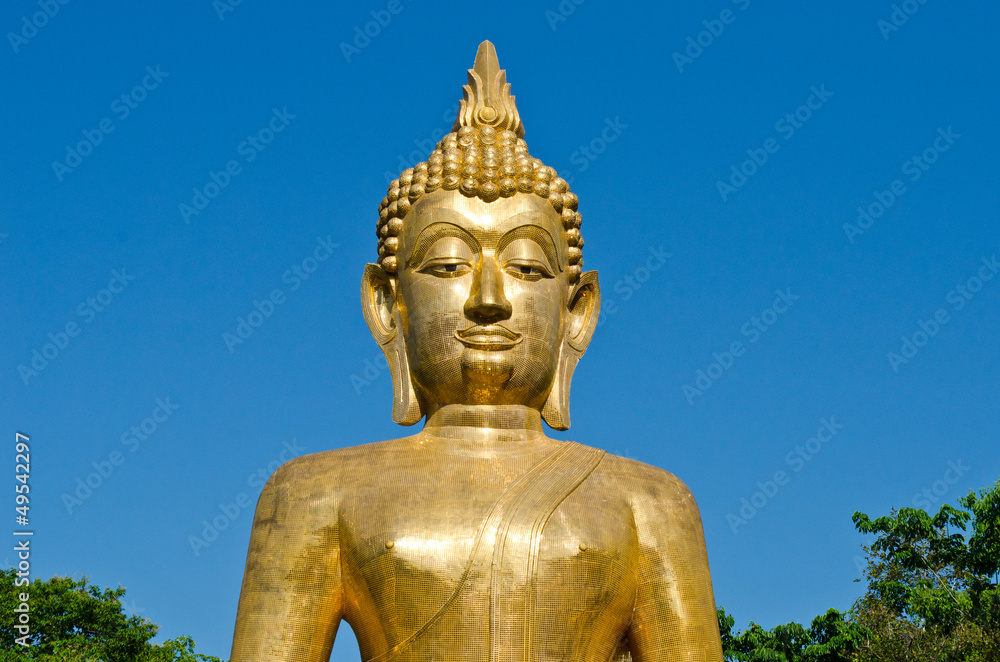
479,538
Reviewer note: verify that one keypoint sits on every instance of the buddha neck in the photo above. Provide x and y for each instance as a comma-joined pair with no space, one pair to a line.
485,425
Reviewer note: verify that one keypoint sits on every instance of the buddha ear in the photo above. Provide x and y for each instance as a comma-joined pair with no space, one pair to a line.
584,308
378,303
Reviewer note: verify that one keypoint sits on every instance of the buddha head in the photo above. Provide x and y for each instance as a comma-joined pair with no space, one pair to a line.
478,298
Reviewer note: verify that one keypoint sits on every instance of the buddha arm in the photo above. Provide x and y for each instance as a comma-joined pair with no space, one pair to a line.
674,618
291,602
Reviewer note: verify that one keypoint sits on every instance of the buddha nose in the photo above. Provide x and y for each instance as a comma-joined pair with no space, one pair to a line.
486,303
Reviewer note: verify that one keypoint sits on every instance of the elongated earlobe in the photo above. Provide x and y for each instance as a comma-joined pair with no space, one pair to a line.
583,311
378,304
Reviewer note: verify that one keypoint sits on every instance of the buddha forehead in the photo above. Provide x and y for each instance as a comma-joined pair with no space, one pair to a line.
447,213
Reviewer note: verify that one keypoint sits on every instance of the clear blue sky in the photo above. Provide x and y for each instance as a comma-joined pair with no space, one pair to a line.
837,105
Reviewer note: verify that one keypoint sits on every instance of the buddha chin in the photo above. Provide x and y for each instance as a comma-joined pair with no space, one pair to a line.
485,373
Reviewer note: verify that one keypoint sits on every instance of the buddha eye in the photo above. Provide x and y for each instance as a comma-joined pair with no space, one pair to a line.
447,269
527,270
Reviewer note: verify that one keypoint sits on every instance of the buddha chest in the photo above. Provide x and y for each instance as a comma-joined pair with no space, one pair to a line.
465,562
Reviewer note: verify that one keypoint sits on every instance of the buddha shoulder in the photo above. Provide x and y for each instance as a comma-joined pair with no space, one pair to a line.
327,475
647,487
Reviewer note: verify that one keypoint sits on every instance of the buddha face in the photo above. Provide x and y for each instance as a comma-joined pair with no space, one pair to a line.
480,309
482,297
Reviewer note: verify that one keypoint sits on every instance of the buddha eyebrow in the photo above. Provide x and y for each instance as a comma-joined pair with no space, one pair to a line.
430,234
526,219
537,235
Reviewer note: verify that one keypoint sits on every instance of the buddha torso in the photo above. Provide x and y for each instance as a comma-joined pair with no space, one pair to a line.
422,577
409,532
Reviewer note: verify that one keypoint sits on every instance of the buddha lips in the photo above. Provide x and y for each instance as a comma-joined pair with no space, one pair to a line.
491,337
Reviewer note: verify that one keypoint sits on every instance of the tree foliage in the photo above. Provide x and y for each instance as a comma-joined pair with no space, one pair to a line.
933,583
830,638
73,621
932,595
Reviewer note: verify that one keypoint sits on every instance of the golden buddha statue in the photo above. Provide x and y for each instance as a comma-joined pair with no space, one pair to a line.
478,539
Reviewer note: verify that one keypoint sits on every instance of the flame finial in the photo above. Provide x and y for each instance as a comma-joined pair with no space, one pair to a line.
487,99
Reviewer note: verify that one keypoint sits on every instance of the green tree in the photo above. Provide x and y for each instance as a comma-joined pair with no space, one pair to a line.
932,595
72,621
830,638
933,583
